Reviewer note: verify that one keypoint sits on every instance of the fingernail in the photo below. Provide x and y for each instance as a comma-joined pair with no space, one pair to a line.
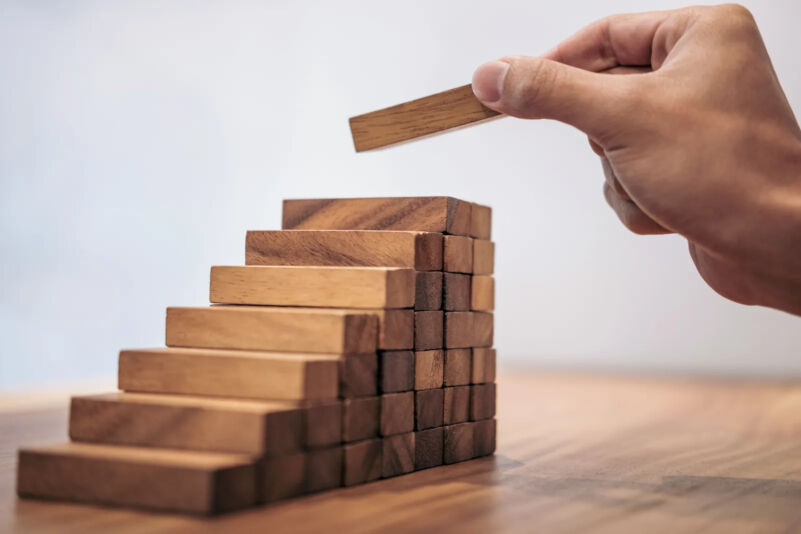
488,81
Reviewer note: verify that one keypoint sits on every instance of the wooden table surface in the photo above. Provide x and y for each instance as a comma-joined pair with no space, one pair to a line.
576,453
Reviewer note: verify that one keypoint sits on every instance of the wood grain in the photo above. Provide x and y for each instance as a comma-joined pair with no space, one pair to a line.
337,287
396,371
242,374
281,477
420,214
428,290
484,437
158,479
456,292
418,118
457,443
397,455
366,248
197,423
362,462
457,405
428,330
428,446
484,362
358,374
280,329
482,401
482,293
457,254
428,369
480,221
397,413
360,418
483,257
323,469
468,329
428,408
458,367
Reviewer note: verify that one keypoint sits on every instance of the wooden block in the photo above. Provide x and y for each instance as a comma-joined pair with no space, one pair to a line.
480,221
428,408
343,287
254,375
428,445
323,469
397,454
483,257
395,329
184,422
362,462
322,423
428,369
158,479
482,401
428,330
358,374
360,418
482,293
458,443
365,248
458,367
483,365
428,290
457,254
422,117
468,329
397,371
456,292
421,214
397,413
282,329
281,477
484,437
457,405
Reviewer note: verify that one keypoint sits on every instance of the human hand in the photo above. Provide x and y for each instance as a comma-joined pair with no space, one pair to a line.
697,138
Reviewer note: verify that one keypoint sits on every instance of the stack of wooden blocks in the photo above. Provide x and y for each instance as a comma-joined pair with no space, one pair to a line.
354,345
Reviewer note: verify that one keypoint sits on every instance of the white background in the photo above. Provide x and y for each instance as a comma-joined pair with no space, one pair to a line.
140,139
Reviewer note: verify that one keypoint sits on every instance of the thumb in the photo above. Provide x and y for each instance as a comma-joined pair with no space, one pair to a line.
537,88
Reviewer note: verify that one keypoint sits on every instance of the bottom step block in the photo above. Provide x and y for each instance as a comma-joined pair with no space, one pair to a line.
159,479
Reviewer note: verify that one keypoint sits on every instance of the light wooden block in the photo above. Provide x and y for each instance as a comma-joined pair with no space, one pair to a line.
484,363
428,369
360,418
281,477
422,214
428,290
456,292
428,446
362,461
184,422
157,479
482,401
331,287
468,329
397,454
482,293
397,413
428,330
483,257
458,443
425,116
254,375
323,469
457,254
396,371
458,367
281,329
366,248
322,423
428,408
484,437
457,405
480,221
358,374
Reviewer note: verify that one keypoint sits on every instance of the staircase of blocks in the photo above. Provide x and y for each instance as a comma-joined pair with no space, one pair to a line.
355,344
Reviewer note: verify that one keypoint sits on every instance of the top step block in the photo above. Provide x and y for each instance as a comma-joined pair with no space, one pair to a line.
422,214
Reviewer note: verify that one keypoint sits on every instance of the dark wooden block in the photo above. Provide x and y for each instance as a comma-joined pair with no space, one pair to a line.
428,330
362,461
322,424
428,369
429,406
484,437
428,290
458,367
458,443
457,254
483,365
456,292
323,469
482,401
428,447
396,371
456,405
360,418
282,477
397,413
468,329
358,375
398,454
